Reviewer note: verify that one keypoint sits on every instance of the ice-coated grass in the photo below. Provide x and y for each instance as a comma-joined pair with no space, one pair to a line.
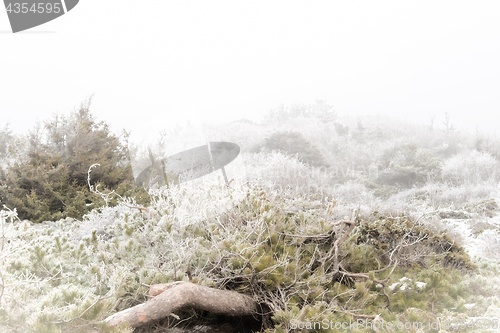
69,275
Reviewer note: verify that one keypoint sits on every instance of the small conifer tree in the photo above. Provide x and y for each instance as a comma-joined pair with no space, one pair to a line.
50,182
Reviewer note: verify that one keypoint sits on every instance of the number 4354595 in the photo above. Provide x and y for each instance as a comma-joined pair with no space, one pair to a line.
36,8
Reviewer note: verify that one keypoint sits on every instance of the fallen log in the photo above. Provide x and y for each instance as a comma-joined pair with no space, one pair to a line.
179,295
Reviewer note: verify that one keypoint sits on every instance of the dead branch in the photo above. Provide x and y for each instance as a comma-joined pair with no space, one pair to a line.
179,295
338,242
94,189
141,209
356,315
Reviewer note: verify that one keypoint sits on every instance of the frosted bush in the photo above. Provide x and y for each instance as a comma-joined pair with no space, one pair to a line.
195,201
276,170
470,167
490,244
354,193
98,219
460,195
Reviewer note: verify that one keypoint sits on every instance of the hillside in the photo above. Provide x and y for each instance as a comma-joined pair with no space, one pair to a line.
328,220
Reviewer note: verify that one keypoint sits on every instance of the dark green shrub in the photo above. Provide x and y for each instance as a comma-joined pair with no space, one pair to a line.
51,181
384,233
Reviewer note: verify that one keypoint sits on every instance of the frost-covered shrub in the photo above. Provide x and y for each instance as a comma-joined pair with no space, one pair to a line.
489,241
456,196
405,165
276,170
353,193
470,167
294,144
194,201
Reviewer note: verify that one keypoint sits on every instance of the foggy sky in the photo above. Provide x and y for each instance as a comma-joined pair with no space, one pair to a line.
152,64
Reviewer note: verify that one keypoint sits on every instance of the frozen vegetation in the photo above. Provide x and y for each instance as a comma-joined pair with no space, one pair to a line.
326,220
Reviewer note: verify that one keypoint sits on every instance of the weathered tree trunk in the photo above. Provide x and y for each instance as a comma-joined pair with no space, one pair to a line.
178,295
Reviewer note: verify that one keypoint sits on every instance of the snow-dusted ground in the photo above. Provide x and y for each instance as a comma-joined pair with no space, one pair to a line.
480,236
